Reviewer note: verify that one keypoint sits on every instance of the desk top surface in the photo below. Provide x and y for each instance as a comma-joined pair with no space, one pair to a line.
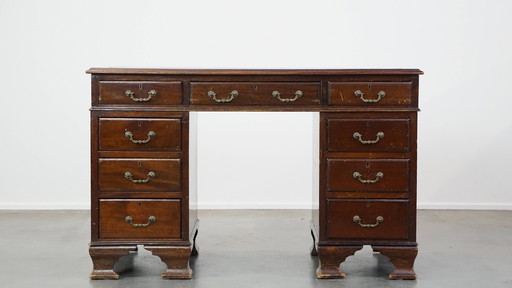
152,71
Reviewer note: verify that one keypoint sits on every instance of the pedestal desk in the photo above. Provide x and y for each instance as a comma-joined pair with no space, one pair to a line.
143,184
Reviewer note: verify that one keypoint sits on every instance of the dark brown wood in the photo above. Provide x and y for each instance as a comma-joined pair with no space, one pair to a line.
113,224
236,72
176,259
114,92
403,260
162,138
94,170
112,134
255,93
395,135
341,213
330,258
167,175
396,93
104,258
189,178
343,196
341,175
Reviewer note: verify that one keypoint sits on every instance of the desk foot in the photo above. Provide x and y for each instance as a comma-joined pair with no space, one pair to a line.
104,258
176,258
330,259
402,258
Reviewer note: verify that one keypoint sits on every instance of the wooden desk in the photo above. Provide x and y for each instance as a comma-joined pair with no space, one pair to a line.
143,186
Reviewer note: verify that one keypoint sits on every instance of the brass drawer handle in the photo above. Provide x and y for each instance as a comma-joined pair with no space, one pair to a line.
129,135
232,96
378,176
358,136
129,176
360,94
359,221
130,94
129,219
277,95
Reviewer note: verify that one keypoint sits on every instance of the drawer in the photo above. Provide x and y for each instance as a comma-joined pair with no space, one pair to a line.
365,175
255,93
139,175
368,135
139,219
370,93
140,93
122,134
367,219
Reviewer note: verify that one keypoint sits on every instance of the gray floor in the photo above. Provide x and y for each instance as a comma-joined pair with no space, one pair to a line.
259,248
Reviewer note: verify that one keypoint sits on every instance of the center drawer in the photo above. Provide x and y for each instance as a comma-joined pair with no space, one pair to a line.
139,219
139,175
255,93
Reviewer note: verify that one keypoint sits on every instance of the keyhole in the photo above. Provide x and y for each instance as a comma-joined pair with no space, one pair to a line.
368,123
369,87
255,87
140,204
368,204
367,164
140,86
139,163
139,123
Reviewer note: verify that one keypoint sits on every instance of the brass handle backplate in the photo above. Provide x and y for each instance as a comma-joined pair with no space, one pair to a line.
358,176
359,137
129,176
129,219
359,221
232,96
360,95
129,135
130,94
277,95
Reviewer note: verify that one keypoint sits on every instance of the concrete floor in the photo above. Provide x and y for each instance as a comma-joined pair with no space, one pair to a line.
249,248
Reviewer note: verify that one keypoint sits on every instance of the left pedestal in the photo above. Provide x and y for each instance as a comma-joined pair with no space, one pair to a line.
142,185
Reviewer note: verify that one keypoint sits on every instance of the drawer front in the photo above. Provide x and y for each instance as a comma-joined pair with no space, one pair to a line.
368,219
368,135
140,93
139,175
139,219
368,175
257,93
370,93
116,134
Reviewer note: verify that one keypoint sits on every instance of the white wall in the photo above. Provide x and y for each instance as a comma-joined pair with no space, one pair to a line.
463,47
